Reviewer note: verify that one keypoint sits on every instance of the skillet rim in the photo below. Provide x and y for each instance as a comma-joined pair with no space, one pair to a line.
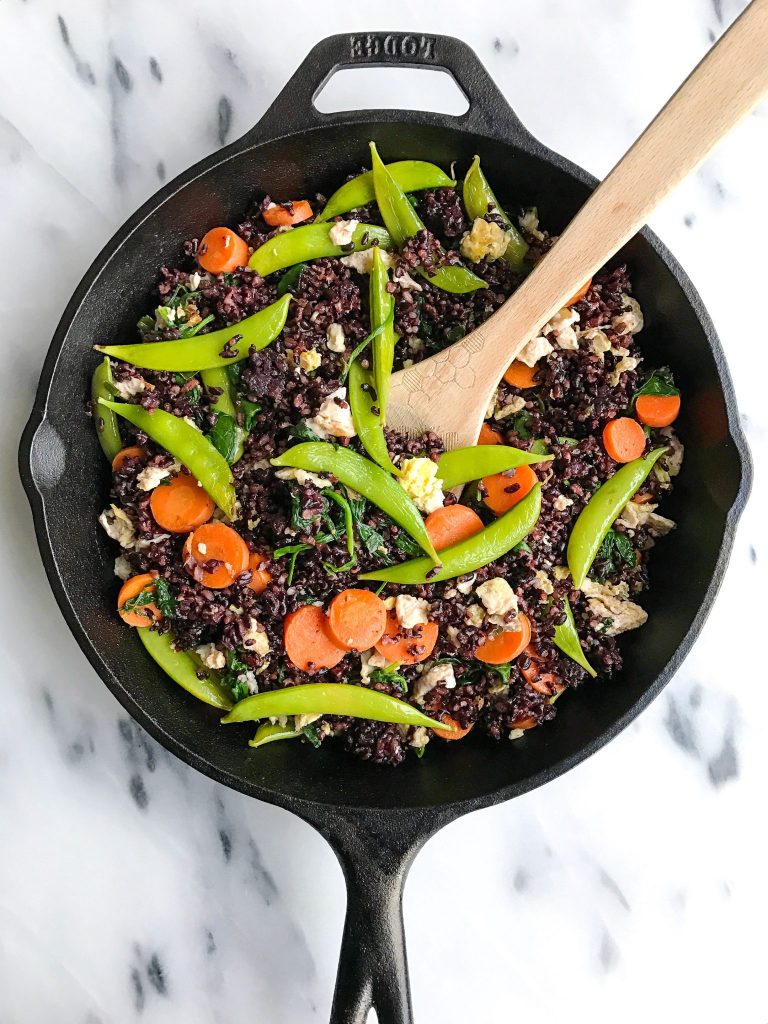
306,808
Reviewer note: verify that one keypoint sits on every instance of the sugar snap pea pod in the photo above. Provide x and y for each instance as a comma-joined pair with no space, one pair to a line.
107,429
203,352
182,667
362,401
567,639
367,479
403,222
186,444
477,195
310,242
461,465
600,512
227,436
466,556
410,175
268,733
330,699
382,303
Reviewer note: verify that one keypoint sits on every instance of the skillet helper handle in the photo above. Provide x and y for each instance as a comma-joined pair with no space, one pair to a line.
294,108
373,969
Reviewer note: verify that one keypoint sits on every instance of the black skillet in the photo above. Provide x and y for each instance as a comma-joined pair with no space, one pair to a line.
376,819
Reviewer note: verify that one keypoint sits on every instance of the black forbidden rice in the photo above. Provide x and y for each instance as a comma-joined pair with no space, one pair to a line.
574,399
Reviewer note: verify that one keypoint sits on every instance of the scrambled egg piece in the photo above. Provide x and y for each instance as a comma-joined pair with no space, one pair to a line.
624,365
535,350
310,360
255,638
421,482
630,320
362,262
151,476
485,239
118,526
599,342
302,477
211,656
499,600
431,678
334,417
130,387
341,231
335,338
636,514
561,325
612,611
411,611
475,615
123,568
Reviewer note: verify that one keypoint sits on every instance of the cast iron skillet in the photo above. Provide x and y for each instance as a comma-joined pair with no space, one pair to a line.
376,819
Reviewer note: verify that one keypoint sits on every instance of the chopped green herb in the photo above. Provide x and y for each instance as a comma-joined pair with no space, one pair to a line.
224,436
389,675
294,550
249,411
365,343
302,432
615,551
312,735
289,282
660,382
165,599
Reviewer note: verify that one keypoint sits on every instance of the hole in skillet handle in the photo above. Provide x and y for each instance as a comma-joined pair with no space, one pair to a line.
484,106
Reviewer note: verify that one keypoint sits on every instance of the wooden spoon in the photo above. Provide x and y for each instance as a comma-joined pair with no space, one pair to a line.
449,392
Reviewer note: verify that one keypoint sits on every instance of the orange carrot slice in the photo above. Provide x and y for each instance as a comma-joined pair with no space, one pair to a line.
624,439
580,293
134,452
281,215
489,436
145,614
181,504
545,683
519,375
219,542
221,251
458,732
506,645
356,619
450,524
657,410
407,650
307,641
505,490
259,577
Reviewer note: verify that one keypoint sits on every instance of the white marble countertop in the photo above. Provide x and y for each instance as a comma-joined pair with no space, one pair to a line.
633,889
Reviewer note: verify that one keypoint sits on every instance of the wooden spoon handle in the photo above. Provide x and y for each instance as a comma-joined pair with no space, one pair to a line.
725,86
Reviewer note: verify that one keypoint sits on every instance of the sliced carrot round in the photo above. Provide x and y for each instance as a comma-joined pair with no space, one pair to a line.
545,683
356,619
218,542
450,524
526,722
259,577
181,504
281,215
145,614
489,436
657,410
506,645
519,375
221,251
408,650
580,293
307,641
134,452
458,733
624,439
505,490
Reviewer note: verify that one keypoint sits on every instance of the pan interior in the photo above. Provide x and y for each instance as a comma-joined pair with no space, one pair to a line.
683,568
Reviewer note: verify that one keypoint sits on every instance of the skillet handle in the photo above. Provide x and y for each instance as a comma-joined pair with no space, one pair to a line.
294,108
373,968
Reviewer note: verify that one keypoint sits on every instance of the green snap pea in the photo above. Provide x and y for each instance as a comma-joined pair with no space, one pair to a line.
330,699
601,511
311,242
228,436
268,733
382,305
410,175
107,429
567,639
475,552
461,465
203,352
478,196
403,222
183,667
187,444
362,401
367,479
